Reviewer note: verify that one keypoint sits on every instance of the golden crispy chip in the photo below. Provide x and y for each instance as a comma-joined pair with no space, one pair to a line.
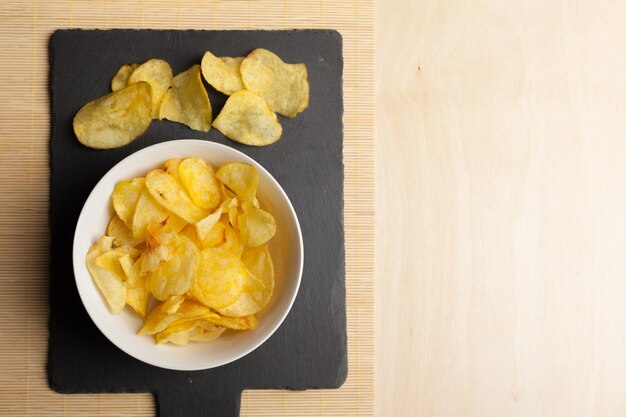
260,267
193,330
176,275
115,119
204,226
158,74
189,231
161,242
138,299
247,119
110,283
215,236
220,278
236,323
171,194
125,197
161,316
285,87
187,101
256,226
110,260
171,167
120,80
147,211
123,235
175,223
222,73
205,332
240,177
226,193
198,177
231,242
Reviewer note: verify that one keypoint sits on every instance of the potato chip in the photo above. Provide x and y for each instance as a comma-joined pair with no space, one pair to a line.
175,223
206,333
171,194
189,232
161,242
125,197
161,316
284,87
110,260
176,275
256,226
194,330
171,167
120,80
236,323
123,235
198,177
215,236
260,268
187,101
222,73
158,74
247,119
147,211
115,119
110,283
204,226
220,278
240,177
231,242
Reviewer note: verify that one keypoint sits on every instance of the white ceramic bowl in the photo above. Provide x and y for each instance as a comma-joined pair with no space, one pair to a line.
286,249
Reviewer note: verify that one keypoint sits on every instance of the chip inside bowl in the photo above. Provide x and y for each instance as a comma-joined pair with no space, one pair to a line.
179,241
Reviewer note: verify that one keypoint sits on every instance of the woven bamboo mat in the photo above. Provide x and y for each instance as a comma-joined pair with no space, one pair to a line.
25,27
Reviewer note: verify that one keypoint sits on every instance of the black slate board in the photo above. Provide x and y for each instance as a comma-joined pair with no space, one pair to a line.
309,349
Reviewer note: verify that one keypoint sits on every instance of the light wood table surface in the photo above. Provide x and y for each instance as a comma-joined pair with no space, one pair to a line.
501,208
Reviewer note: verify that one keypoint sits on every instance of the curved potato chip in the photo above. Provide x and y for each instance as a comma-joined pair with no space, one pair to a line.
260,267
120,79
123,235
175,223
215,236
256,226
138,299
110,283
284,87
161,316
204,226
187,101
247,119
147,211
231,243
222,73
189,232
158,74
240,177
171,194
247,322
115,119
220,278
125,197
176,275
206,333
198,177
195,330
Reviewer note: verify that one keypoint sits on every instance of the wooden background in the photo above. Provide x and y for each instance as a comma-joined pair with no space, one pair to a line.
25,27
501,208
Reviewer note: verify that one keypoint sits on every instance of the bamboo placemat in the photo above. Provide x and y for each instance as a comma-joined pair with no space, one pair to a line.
25,27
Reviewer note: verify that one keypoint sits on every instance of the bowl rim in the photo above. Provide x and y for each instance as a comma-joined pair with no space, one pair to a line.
77,258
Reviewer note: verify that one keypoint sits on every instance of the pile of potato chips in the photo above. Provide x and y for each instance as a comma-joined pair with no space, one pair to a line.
195,240
259,85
